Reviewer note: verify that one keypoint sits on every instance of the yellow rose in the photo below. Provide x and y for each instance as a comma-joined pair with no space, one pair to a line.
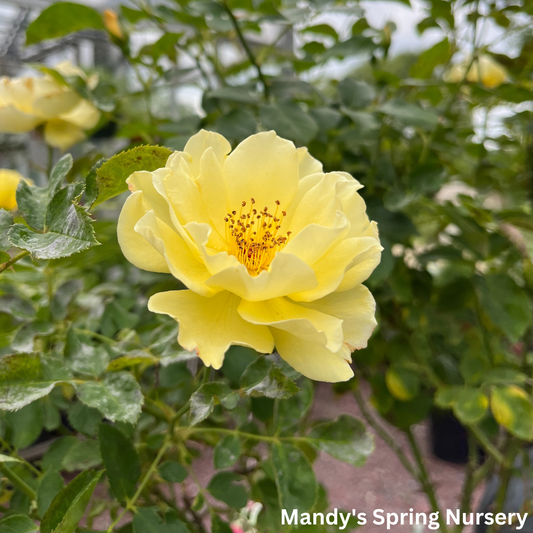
27,102
485,70
273,251
9,180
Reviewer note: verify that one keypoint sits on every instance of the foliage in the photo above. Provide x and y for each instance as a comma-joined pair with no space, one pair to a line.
452,194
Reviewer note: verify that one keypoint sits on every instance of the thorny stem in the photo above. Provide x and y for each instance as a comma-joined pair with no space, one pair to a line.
13,260
382,432
247,48
470,480
425,480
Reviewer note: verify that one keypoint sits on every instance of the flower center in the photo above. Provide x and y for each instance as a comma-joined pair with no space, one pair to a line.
253,237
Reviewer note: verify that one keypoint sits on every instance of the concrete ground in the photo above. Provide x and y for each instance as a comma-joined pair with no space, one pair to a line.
382,483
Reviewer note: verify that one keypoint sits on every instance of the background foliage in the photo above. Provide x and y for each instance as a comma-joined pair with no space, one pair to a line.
83,359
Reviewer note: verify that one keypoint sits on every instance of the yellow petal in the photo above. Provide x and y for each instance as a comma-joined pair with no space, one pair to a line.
85,115
312,360
14,121
263,167
362,265
135,247
307,164
356,308
210,326
314,240
181,262
198,144
61,134
330,268
52,99
212,188
353,205
151,198
302,322
319,205
9,180
286,274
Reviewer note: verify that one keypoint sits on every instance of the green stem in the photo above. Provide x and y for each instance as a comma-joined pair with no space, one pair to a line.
50,163
425,480
382,432
247,48
488,446
95,335
18,482
131,503
469,482
13,260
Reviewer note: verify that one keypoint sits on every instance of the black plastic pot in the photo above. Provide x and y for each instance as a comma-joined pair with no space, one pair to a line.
448,437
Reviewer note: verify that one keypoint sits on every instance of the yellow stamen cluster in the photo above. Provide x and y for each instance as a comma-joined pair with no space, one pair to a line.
253,237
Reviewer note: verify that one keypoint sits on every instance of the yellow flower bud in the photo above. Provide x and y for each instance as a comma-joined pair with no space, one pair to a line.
9,180
112,24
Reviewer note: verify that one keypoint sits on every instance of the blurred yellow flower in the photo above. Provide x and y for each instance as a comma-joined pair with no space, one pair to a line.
485,69
272,249
112,24
9,180
28,102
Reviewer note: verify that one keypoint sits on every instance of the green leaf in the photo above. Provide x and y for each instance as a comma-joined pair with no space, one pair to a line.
22,381
6,221
69,228
505,303
147,520
121,461
58,174
263,378
354,46
237,124
8,459
18,523
223,487
498,376
295,479
32,203
219,526
243,94
60,19
438,54
118,397
289,120
355,94
26,424
226,452
68,507
51,484
409,114
16,306
512,409
345,438
82,455
111,176
402,383
173,471
446,396
84,419
470,405
204,399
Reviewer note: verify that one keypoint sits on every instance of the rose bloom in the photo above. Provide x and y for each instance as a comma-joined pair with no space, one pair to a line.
273,251
27,102
112,24
9,180
485,70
